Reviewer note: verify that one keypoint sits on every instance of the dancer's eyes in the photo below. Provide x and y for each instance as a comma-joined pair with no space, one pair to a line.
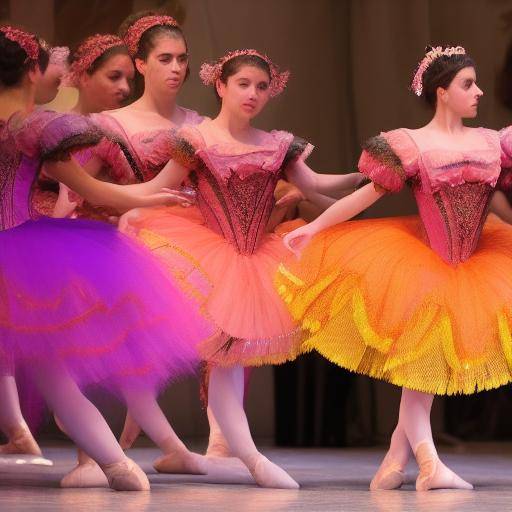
167,59
263,86
114,76
468,83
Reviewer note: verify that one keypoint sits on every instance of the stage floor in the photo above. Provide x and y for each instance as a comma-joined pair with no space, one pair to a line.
331,480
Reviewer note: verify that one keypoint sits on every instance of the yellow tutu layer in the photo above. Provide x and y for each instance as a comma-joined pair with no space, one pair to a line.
377,300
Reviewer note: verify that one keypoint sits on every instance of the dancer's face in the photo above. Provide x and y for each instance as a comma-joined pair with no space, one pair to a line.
462,95
165,69
48,85
246,92
109,85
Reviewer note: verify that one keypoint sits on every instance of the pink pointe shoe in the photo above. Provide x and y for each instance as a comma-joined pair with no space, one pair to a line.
85,475
388,477
182,462
21,443
433,473
126,475
267,474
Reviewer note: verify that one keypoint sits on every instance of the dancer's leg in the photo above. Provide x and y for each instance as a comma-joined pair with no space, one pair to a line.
225,397
12,424
415,410
217,444
88,429
146,412
390,474
130,433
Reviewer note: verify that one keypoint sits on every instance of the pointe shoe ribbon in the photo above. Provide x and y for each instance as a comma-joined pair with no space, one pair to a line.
126,476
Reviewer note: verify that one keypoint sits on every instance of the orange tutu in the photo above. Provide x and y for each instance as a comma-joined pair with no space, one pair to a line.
236,290
377,300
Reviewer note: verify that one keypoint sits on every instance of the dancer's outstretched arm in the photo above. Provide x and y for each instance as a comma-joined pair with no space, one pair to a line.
341,211
100,193
309,181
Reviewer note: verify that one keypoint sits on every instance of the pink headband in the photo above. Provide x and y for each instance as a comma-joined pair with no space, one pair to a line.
431,56
92,48
26,40
211,72
136,31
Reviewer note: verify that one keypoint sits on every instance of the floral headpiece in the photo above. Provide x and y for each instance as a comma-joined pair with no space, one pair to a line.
92,48
136,31
26,40
59,55
211,72
431,56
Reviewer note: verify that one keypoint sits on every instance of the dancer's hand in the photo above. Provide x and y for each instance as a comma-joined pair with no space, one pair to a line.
168,196
291,198
296,240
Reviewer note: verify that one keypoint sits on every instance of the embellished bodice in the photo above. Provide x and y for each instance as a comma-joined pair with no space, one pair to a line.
235,183
148,150
25,143
452,188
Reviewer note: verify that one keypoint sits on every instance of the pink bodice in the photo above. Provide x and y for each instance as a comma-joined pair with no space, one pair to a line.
25,143
235,183
149,150
452,188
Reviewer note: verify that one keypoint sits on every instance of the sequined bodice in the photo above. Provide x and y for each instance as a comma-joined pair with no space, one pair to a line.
453,191
235,189
17,175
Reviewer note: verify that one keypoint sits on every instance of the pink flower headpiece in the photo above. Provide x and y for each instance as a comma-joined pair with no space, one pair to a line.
92,48
136,31
431,56
211,72
26,40
59,55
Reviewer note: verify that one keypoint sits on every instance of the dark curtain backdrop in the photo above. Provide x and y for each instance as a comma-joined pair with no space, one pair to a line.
351,62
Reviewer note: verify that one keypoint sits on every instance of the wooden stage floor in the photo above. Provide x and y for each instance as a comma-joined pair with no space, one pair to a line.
331,480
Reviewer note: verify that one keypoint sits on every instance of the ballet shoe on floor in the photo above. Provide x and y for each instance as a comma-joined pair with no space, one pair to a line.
433,473
21,443
388,477
126,475
182,462
267,474
87,474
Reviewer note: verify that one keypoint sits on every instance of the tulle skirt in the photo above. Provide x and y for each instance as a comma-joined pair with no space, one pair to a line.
80,297
236,290
375,299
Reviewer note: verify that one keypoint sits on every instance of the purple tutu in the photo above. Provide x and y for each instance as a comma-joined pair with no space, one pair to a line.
79,295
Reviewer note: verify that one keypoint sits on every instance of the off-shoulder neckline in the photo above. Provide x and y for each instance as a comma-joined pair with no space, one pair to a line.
248,148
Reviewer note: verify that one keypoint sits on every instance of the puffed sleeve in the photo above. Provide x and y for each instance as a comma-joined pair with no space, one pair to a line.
389,160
